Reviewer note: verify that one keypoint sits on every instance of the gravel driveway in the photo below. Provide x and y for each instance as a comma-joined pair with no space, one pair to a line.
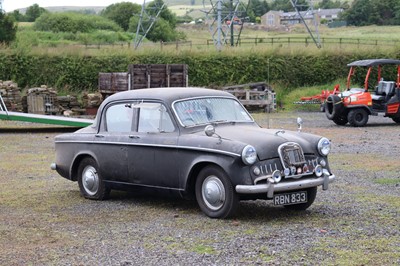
45,221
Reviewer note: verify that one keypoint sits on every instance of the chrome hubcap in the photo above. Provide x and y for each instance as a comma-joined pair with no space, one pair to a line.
213,193
90,180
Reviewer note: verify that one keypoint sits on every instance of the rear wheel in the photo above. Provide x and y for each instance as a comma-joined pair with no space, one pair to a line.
358,117
311,195
90,181
215,193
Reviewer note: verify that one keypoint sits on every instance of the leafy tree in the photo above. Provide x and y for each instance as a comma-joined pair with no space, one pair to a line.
328,4
164,28
367,12
17,16
166,14
121,13
33,12
8,30
285,5
256,9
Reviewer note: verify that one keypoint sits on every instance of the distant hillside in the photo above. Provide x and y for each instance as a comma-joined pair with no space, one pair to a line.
95,9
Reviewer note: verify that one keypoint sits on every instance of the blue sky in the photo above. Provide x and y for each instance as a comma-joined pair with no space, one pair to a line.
10,5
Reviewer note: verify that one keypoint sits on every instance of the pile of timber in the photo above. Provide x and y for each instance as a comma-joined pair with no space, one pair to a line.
11,95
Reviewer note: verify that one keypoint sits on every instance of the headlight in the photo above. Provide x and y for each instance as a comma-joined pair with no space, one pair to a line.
249,155
324,146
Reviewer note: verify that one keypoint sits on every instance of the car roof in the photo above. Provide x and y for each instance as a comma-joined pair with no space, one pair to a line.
374,62
168,95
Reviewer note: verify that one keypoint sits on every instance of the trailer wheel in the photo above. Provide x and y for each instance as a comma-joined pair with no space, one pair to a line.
358,117
333,106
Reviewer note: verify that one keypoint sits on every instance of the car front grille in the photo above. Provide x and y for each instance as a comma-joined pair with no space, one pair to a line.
291,154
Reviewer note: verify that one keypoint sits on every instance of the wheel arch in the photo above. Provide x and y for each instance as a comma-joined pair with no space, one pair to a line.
76,162
366,108
193,174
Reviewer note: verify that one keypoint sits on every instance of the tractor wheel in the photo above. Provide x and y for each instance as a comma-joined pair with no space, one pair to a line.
340,120
333,106
358,117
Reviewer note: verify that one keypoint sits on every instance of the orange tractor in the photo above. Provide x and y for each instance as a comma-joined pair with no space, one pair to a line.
355,105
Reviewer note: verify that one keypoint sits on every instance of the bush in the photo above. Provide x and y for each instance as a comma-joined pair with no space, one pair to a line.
73,22
288,71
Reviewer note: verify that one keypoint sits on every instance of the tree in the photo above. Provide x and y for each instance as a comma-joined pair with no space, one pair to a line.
164,28
286,5
367,12
33,12
18,16
8,30
328,4
121,13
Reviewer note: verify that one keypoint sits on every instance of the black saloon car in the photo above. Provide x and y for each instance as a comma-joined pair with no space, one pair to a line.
196,143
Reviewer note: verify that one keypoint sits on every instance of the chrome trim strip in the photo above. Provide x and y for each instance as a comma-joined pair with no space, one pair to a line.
155,145
271,187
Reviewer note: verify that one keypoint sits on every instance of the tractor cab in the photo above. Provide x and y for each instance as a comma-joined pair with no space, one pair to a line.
377,95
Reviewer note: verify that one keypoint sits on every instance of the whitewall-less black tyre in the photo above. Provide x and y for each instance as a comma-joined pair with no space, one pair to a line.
90,181
215,193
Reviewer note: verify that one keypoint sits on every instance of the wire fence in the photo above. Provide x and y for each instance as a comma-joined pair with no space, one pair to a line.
259,42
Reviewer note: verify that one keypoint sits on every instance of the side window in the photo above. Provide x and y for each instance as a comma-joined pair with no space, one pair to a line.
154,118
119,118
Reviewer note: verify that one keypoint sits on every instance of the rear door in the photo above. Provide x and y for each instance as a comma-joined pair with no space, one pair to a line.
153,150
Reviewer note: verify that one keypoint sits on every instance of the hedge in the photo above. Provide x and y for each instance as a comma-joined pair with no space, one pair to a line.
79,73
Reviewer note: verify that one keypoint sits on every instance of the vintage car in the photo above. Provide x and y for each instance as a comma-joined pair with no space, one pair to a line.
196,143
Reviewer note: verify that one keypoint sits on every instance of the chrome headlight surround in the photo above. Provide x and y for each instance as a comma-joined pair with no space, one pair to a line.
324,146
249,155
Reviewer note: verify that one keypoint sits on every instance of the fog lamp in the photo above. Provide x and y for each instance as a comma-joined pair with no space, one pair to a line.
318,170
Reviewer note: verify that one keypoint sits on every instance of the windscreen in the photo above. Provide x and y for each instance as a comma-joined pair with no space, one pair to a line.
200,111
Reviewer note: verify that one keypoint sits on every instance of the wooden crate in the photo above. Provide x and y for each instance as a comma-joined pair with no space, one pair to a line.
110,83
158,75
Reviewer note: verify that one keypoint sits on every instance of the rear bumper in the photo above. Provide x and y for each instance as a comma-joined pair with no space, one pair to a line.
271,187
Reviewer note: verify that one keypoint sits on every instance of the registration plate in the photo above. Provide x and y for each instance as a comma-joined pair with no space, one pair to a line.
290,198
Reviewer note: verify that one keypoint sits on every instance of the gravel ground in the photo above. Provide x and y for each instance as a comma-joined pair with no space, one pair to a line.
45,221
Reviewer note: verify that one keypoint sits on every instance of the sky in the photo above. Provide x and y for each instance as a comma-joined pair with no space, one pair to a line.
11,5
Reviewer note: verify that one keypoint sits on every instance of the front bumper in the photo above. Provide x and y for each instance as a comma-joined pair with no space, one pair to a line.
271,187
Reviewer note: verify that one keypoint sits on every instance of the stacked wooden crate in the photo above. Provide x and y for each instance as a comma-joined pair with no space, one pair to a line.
141,76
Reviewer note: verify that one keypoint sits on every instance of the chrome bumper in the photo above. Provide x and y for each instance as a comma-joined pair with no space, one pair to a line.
271,187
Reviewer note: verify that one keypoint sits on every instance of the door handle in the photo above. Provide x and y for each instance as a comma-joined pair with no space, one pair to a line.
134,137
99,136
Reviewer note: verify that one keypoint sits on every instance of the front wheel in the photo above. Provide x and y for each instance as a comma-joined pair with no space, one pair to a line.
215,193
358,117
311,195
90,181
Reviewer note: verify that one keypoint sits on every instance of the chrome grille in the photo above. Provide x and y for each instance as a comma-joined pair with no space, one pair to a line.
291,154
